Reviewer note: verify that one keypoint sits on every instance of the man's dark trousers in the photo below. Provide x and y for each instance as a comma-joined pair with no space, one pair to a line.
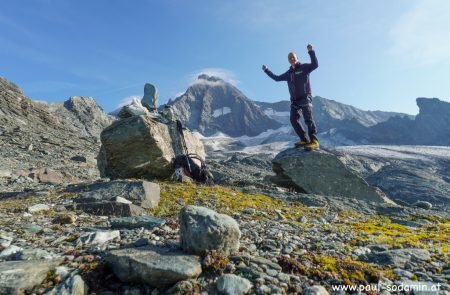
306,110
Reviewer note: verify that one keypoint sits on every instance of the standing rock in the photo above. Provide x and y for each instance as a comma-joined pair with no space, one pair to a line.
150,98
203,230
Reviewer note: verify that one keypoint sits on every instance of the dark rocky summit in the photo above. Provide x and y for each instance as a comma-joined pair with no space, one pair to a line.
212,105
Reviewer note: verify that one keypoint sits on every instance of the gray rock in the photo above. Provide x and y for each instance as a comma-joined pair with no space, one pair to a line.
99,237
202,230
72,285
5,173
150,98
315,290
33,228
34,254
38,207
5,241
230,284
321,173
139,146
399,257
10,251
148,222
110,209
403,273
122,200
17,277
156,266
140,192
423,204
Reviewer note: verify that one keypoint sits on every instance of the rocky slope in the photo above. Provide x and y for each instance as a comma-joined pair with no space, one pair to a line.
56,142
212,105
287,246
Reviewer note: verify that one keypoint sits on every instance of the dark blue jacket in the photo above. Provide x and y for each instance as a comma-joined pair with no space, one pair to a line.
298,79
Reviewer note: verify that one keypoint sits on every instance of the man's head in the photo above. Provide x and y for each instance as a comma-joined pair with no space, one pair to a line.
292,58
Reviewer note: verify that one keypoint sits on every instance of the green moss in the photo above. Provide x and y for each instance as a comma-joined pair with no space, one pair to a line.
222,199
382,231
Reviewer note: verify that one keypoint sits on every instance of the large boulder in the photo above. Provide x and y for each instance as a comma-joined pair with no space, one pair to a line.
321,173
203,230
140,146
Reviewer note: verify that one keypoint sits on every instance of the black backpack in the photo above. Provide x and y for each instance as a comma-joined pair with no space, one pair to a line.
186,166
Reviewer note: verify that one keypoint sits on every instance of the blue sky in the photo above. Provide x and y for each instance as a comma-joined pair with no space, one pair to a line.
374,55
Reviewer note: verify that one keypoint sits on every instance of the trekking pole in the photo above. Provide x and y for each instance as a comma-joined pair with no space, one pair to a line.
183,143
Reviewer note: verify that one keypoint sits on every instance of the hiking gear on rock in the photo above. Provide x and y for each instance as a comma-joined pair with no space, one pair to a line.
186,166
313,145
298,79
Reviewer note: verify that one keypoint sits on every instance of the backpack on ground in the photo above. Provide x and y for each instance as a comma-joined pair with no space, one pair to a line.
185,166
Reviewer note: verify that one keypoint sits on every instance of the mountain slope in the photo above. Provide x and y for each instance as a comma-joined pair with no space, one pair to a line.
212,105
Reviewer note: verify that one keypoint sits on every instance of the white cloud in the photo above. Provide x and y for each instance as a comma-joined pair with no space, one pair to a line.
422,34
226,75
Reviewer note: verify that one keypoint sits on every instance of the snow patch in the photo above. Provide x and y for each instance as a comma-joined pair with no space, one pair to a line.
221,112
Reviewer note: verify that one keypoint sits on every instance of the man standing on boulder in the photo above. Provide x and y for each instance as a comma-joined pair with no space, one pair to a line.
297,77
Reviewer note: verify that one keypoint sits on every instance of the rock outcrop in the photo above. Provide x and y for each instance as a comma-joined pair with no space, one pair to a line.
321,173
45,144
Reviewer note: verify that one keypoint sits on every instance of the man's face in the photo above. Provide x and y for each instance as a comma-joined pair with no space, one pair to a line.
292,58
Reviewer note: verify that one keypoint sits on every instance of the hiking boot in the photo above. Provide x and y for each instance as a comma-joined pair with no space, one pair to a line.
313,145
301,143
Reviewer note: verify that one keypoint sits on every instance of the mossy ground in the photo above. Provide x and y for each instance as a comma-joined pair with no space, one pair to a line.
224,200
434,236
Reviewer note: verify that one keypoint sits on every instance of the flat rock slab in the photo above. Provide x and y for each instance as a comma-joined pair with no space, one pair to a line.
399,257
16,277
147,222
110,209
140,192
156,266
